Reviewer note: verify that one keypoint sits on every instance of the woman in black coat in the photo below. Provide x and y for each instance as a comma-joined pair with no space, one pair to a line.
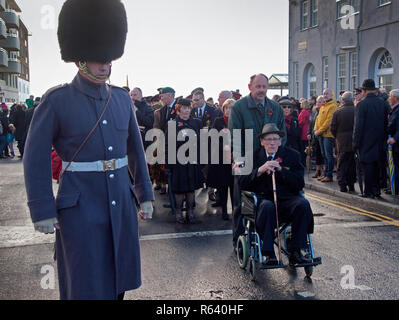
219,174
186,176
294,131
17,118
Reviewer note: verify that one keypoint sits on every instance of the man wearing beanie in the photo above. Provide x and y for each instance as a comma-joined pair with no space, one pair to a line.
93,129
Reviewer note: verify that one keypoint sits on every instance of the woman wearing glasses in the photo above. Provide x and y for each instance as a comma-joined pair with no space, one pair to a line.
291,124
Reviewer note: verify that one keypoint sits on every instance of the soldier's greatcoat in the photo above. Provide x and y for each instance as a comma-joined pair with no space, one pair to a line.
98,254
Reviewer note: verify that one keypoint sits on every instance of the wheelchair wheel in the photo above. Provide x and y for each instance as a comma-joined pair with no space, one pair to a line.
252,269
242,252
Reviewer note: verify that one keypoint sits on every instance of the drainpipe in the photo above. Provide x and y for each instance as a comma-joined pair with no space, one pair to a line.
358,41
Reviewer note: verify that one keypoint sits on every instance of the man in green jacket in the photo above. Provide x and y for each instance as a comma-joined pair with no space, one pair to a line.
250,114
29,102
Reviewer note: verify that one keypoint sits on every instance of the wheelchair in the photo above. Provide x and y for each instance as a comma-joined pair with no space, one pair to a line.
249,244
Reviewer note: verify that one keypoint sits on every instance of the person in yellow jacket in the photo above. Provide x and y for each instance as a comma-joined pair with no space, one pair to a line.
322,130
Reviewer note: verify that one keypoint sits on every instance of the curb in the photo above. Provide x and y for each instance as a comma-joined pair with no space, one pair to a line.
379,205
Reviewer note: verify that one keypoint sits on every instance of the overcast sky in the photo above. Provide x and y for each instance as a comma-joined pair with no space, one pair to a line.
214,44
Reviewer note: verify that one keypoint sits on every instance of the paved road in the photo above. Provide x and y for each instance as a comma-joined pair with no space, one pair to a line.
197,261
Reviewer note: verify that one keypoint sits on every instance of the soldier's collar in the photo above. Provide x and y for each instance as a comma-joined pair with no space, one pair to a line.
90,89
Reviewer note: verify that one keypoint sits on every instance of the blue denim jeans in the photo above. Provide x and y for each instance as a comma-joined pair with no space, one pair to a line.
327,150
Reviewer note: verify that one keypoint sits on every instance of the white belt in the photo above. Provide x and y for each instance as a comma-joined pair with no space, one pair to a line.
100,166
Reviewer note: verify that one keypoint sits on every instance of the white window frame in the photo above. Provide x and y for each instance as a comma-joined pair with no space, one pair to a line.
304,14
314,10
311,78
325,72
341,72
382,72
353,70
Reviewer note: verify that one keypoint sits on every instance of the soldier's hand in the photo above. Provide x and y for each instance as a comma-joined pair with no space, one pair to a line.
46,226
146,210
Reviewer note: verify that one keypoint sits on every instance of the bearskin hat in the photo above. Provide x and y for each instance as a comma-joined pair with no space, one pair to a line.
92,30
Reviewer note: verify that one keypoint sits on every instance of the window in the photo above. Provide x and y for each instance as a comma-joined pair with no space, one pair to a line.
312,80
325,72
353,70
296,80
314,8
384,70
342,11
382,2
304,14
341,73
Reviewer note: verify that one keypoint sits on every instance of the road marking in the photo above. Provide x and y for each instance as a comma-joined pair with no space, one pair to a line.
11,236
353,209
185,235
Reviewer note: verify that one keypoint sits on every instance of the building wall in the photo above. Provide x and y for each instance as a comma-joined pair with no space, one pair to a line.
14,85
331,37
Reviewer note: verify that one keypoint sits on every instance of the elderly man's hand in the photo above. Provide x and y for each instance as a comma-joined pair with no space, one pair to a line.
269,167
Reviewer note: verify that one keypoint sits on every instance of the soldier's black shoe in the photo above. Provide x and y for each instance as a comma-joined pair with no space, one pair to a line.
296,257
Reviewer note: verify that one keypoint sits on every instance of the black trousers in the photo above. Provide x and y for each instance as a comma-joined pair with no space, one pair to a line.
346,169
224,195
317,151
295,210
371,178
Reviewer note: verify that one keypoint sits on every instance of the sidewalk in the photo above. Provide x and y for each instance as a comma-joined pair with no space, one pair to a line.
386,205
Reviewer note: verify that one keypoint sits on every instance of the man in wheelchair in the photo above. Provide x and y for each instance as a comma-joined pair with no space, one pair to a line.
292,207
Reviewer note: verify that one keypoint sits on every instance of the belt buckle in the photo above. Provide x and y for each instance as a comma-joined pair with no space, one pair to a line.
109,165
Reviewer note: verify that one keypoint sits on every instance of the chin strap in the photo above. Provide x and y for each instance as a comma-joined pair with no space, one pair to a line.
83,67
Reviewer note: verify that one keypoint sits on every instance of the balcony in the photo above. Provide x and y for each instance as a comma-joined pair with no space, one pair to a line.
11,18
3,58
14,66
3,29
11,43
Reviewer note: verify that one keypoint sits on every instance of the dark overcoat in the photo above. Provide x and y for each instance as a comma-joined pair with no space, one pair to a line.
294,132
393,127
208,117
369,131
18,120
186,177
219,175
342,127
98,253
289,182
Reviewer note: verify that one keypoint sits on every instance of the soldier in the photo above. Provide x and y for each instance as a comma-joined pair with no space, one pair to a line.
94,212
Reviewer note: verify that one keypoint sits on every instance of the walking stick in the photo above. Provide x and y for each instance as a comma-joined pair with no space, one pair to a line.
278,227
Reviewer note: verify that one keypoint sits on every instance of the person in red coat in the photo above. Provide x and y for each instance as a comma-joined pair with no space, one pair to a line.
56,166
303,120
